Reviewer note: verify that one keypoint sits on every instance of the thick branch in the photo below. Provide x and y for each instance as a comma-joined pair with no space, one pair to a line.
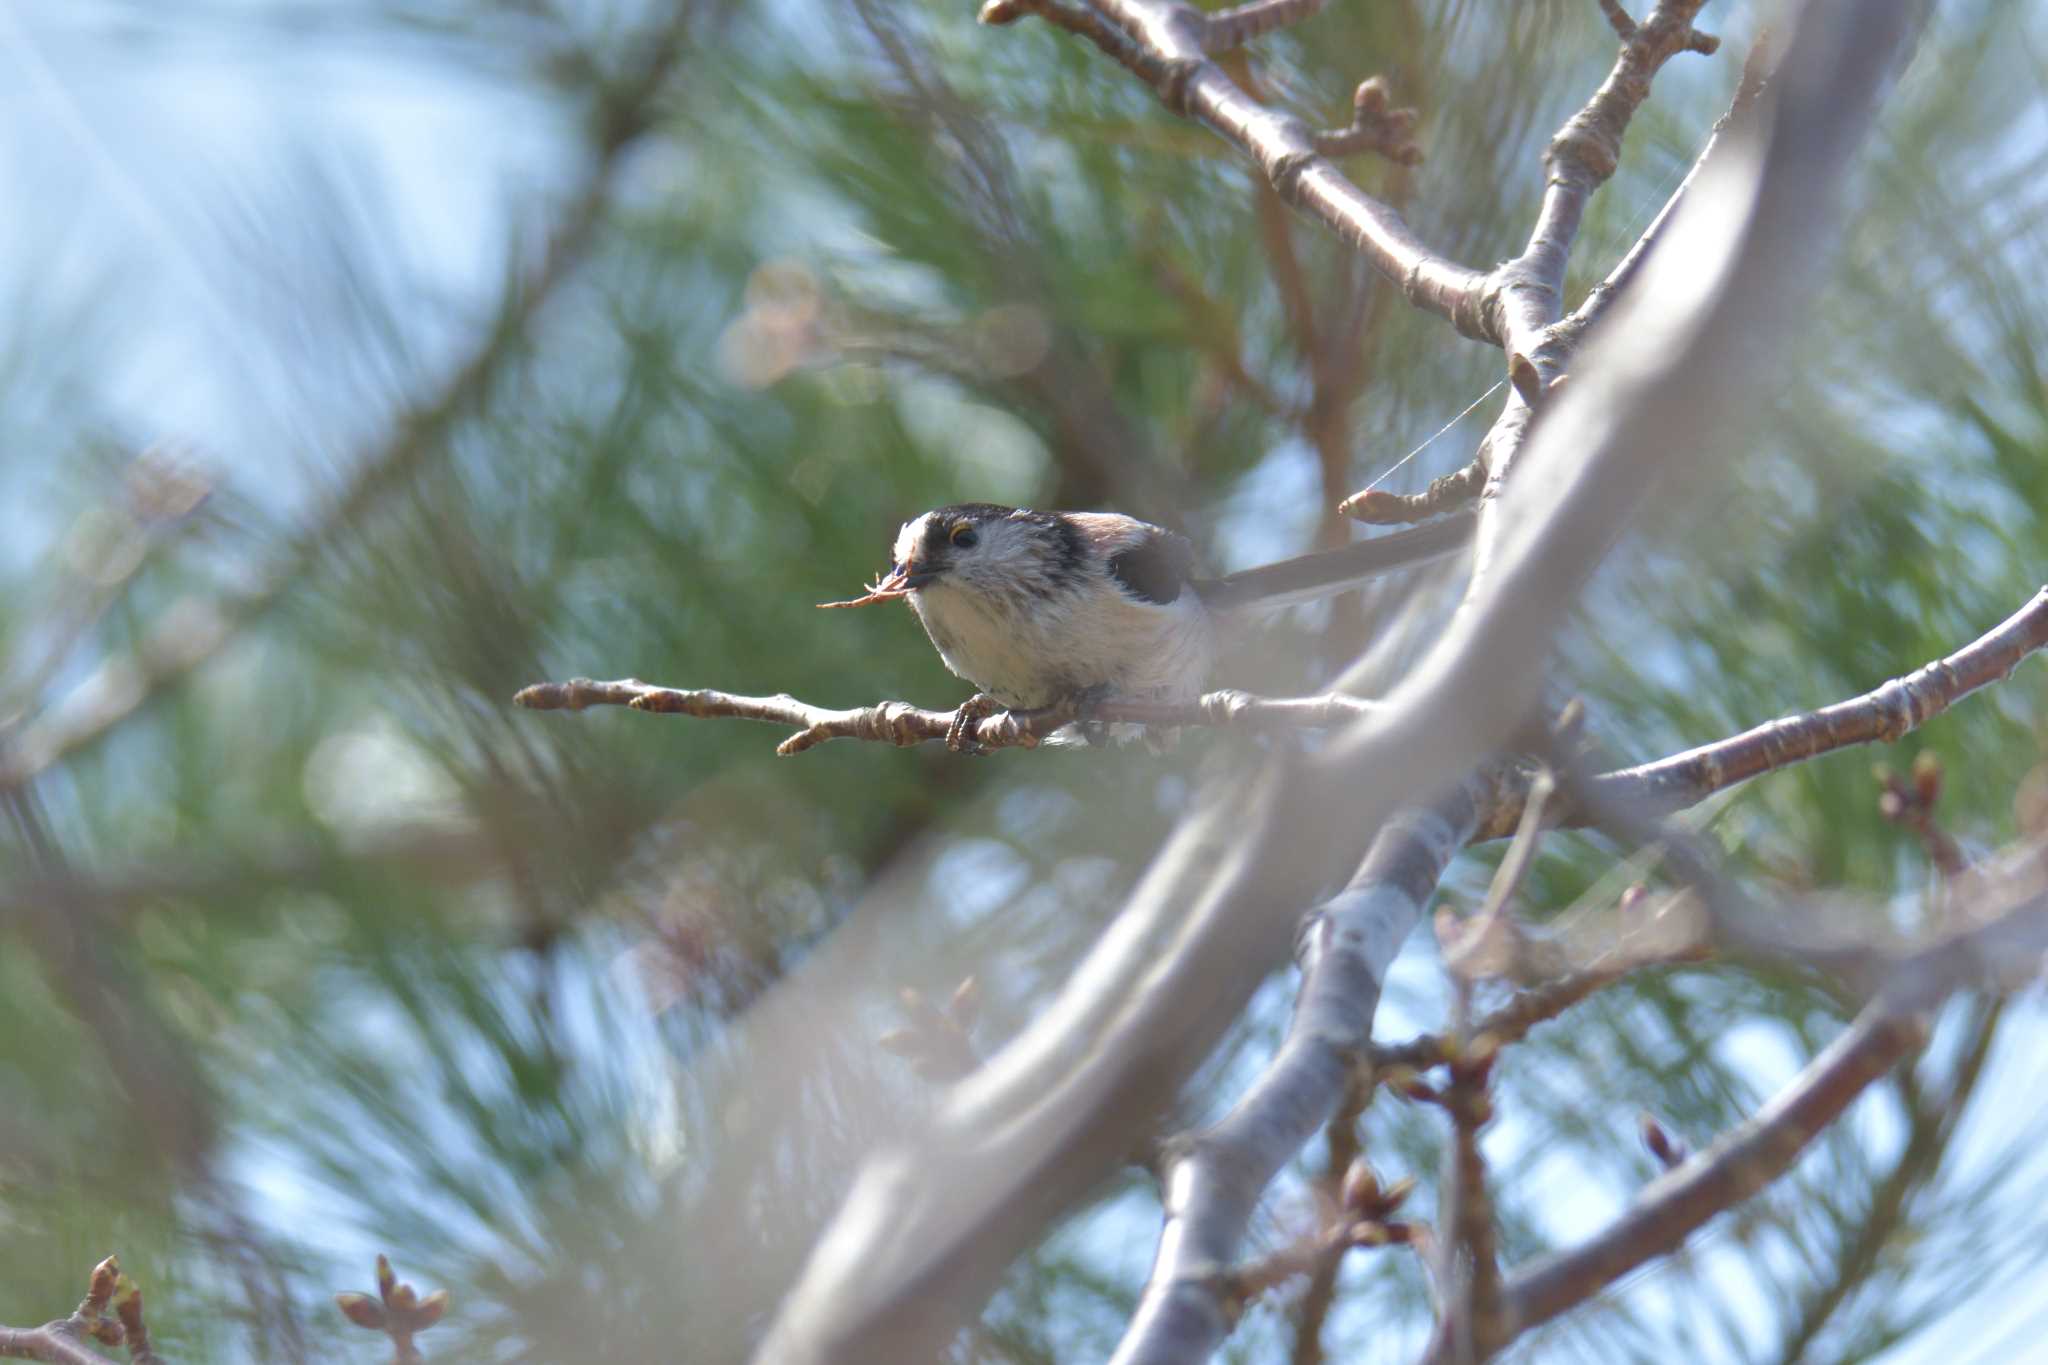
1217,1176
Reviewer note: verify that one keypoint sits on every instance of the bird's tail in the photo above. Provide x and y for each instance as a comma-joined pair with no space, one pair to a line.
1319,575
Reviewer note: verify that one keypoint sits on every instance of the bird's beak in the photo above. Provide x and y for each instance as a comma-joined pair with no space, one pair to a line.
900,580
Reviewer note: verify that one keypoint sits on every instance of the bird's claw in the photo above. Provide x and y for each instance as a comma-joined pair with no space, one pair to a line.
966,719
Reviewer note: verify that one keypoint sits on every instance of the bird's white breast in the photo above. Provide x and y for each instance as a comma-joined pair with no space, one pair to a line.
1087,642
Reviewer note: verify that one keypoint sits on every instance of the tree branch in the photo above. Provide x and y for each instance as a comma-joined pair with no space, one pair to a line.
62,1342
1166,45
1216,1177
1884,714
2001,954
901,724
1528,291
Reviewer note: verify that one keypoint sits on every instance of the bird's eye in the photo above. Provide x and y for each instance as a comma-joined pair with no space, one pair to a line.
964,535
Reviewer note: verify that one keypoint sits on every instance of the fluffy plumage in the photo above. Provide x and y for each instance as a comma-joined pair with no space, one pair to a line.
1015,601
1036,608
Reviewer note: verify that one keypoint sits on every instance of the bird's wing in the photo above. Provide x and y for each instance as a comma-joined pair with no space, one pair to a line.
1150,562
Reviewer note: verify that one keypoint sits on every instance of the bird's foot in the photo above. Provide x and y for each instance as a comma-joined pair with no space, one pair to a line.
967,717
1084,705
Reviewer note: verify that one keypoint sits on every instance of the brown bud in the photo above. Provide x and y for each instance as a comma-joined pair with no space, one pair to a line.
902,1042
1668,1150
966,1003
1419,1090
105,1276
386,1277
362,1310
997,13
1361,1189
1369,1233
1927,778
430,1310
1370,98
403,1300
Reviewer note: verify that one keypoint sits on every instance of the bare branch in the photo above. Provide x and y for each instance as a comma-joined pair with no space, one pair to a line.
1377,507
901,724
1881,715
1529,290
1166,45
62,1342
1374,128
1216,1177
1511,1022
2001,954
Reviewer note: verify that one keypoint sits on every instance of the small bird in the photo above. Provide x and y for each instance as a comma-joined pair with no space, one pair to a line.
1046,608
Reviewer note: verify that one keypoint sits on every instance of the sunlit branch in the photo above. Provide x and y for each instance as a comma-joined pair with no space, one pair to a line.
2002,954
1216,1177
1884,714
63,1342
901,724
1529,290
1166,45
1539,1004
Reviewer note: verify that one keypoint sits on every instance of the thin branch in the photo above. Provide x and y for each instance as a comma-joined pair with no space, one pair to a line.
188,638
1931,1123
1568,332
1528,292
1470,1325
2002,954
1166,45
901,724
1216,1177
1486,929
1523,298
1512,1022
1344,1154
1881,715
62,1342
1446,493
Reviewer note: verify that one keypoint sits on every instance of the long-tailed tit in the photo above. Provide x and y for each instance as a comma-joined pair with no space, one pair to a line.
1044,608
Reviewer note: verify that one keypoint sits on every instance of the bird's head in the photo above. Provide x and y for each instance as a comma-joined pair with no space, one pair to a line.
979,547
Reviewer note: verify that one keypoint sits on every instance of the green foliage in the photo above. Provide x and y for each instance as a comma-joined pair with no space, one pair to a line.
328,951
